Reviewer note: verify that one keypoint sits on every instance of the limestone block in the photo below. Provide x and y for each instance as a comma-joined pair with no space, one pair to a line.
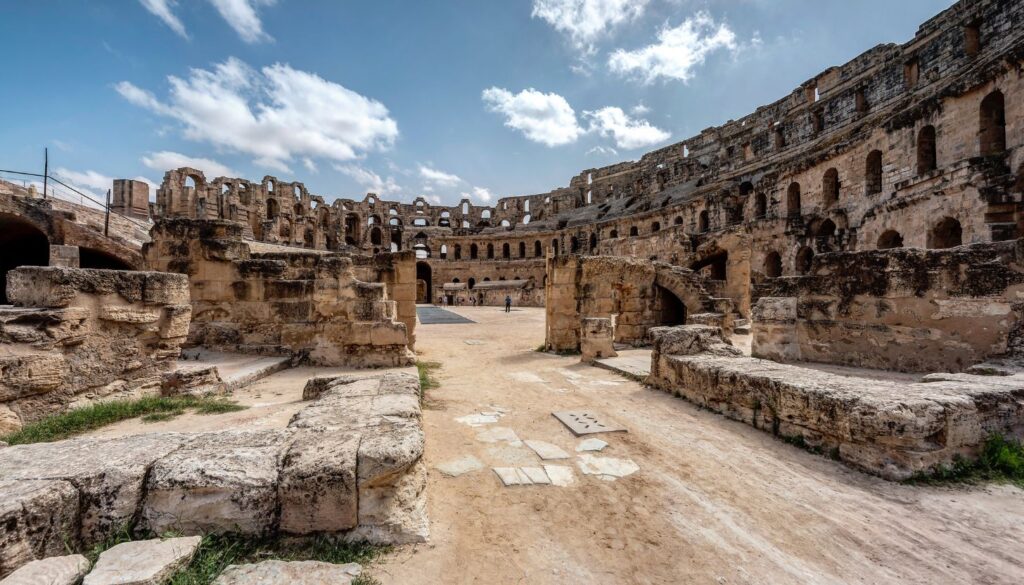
66,570
9,421
388,453
177,319
220,482
597,339
164,288
317,489
394,513
35,518
143,562
388,334
192,381
692,339
30,374
289,573
108,473
128,314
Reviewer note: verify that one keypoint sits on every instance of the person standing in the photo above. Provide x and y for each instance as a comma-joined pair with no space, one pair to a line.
508,303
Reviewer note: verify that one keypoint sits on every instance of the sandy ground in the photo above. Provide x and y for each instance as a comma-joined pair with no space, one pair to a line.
715,501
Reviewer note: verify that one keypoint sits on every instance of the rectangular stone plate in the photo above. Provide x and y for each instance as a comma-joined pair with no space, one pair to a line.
585,422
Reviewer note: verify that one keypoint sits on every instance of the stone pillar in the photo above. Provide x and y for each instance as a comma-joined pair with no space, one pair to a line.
773,325
597,336
66,256
131,198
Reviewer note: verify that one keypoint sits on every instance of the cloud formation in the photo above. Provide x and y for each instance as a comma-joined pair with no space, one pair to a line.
241,15
275,114
370,180
546,118
678,51
439,178
163,9
586,21
166,160
629,133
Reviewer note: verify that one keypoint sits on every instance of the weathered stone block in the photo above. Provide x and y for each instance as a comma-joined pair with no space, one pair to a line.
318,491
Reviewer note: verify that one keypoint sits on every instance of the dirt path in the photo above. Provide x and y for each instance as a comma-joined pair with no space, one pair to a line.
714,501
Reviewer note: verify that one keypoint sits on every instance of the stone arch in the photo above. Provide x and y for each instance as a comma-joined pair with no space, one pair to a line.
804,258
522,249
793,200
830,187
992,124
927,159
873,173
490,251
760,206
424,282
685,287
703,222
506,251
23,244
538,249
890,239
474,251
947,233
773,265
273,208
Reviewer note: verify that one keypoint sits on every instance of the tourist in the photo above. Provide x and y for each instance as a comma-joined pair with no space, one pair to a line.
508,303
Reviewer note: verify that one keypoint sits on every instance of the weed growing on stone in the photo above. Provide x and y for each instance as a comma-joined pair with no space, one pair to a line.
427,379
1001,459
81,420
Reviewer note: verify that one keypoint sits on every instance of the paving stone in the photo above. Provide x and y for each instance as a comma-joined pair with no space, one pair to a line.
499,435
67,570
289,573
591,445
478,419
460,466
560,475
546,450
511,476
607,468
537,475
143,562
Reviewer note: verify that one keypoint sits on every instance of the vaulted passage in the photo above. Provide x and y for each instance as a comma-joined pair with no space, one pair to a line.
673,311
424,282
21,244
89,258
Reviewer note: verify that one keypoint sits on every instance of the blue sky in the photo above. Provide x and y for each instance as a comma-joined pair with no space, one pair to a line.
488,98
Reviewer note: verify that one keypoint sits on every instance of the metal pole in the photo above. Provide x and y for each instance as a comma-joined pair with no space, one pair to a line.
46,169
106,221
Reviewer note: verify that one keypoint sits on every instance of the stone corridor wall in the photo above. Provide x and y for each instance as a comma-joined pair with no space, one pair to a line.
908,310
75,335
305,304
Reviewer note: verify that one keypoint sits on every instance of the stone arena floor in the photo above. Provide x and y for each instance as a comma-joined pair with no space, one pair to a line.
713,501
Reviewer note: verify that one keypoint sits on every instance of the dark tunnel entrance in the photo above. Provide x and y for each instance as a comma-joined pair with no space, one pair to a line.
21,244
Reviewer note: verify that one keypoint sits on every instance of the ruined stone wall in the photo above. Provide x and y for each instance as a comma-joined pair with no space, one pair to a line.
908,310
476,272
76,335
308,305
637,294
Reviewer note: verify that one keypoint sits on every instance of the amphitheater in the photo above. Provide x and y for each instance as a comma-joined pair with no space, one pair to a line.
753,356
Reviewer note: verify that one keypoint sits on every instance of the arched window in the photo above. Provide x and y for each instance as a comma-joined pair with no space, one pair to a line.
522,249
703,222
773,265
471,283
830,187
554,246
458,252
490,251
298,210
793,200
593,242
375,238
474,251
760,206
538,249
890,239
655,227
506,251
444,251
574,245
613,234
804,257
824,235
873,173
634,231
992,130
926,157
946,234
678,220
273,209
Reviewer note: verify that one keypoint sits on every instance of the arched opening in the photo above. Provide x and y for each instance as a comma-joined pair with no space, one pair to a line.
634,231
992,128
926,156
946,234
613,234
490,251
90,258
375,237
760,206
890,239
593,242
522,249
506,251
830,187
873,173
554,247
23,244
471,283
474,251
773,265
655,227
746,188
574,245
672,311
804,257
793,200
273,208
424,282
538,249
444,251
824,236
678,220
714,266
298,210
458,252
703,222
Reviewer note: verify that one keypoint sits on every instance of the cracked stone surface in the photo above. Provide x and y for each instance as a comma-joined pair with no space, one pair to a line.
460,466
289,573
607,468
143,562
66,570
546,450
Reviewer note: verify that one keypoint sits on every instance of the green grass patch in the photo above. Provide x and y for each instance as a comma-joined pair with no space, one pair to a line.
427,379
81,420
218,551
1001,460
161,416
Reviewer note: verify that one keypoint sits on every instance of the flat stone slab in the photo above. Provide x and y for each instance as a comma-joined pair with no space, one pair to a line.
512,476
499,435
632,363
591,445
546,450
460,466
607,468
560,475
436,316
143,562
585,422
67,570
289,573
479,419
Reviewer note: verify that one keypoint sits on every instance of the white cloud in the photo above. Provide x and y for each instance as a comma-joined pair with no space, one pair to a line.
480,194
241,16
542,117
439,178
585,21
369,179
640,109
435,199
166,160
309,164
162,10
606,150
274,114
628,132
678,51
90,181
